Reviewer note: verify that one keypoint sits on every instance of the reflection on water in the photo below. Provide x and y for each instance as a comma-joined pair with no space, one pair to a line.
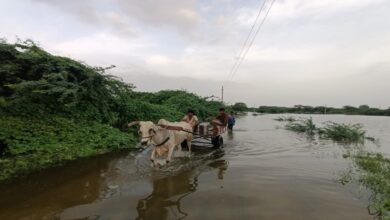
230,135
158,204
43,194
165,200
156,195
261,173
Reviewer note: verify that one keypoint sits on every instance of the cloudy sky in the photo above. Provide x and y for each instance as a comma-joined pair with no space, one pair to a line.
314,52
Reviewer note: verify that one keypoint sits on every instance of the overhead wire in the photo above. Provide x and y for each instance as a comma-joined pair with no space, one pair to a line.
247,38
240,60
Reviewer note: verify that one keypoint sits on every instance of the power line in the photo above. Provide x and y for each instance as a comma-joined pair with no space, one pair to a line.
253,39
247,38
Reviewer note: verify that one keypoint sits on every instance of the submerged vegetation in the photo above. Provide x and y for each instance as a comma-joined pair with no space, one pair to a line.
54,109
302,126
285,118
339,132
345,133
373,171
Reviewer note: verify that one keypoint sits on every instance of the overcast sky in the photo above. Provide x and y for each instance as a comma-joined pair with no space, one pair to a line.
313,52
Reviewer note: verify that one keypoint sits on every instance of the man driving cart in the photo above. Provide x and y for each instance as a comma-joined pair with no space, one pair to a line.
220,122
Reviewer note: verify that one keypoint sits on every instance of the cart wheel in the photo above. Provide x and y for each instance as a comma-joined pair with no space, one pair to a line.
220,141
217,141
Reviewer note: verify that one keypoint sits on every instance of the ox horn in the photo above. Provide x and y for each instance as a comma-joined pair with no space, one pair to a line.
133,123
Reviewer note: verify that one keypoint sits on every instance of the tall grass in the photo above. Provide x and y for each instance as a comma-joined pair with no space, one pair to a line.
347,133
339,132
305,125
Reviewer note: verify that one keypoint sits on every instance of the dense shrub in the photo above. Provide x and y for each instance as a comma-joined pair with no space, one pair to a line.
346,133
181,101
37,143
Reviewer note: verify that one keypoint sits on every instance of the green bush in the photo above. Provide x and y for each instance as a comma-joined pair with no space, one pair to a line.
34,82
38,143
181,101
302,126
343,132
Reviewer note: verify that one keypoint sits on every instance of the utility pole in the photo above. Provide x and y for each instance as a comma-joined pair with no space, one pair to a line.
222,94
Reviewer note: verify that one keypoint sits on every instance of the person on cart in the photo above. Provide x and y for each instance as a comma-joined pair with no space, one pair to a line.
220,122
191,119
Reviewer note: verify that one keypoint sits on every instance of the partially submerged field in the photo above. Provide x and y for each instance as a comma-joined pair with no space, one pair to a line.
371,169
263,172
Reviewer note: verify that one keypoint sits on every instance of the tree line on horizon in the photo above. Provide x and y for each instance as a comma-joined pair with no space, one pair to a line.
306,109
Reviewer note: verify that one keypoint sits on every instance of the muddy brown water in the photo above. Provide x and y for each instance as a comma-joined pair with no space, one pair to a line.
263,172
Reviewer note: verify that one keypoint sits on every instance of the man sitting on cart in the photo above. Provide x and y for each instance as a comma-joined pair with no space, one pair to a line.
191,119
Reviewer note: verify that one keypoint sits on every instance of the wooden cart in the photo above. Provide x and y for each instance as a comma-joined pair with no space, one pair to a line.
205,134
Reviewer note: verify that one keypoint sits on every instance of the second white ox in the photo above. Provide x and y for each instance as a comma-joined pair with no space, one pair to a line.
181,130
165,137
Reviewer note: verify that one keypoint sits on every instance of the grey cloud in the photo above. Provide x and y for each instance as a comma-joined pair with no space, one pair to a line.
83,10
176,13
94,13
120,23
124,15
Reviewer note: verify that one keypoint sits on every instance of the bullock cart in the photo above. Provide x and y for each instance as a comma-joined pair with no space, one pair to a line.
205,134
208,135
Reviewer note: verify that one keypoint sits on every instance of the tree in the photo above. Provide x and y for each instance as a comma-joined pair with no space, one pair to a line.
240,107
364,107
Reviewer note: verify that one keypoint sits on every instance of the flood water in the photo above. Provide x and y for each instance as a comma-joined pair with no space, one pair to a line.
262,172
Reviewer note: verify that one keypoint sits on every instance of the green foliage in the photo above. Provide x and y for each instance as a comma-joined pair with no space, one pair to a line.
240,107
145,111
305,125
35,82
181,101
343,132
38,143
374,173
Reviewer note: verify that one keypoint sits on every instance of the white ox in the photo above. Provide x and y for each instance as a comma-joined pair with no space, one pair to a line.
163,137
182,131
